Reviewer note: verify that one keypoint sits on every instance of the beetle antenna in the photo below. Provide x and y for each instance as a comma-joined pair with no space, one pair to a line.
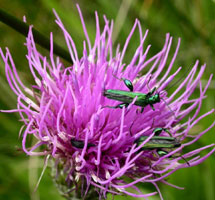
179,78
147,84
185,161
169,107
132,126
116,77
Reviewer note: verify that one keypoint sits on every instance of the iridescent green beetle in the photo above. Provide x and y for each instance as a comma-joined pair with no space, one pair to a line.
161,144
127,97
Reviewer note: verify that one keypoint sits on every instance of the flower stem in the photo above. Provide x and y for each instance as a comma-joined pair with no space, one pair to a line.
39,38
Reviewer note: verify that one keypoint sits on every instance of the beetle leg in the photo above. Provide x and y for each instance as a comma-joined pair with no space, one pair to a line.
142,109
151,105
128,84
121,105
167,131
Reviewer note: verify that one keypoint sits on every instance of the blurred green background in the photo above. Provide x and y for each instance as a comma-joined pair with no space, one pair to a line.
193,21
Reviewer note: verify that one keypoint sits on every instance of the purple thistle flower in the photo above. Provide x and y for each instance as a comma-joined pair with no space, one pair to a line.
92,145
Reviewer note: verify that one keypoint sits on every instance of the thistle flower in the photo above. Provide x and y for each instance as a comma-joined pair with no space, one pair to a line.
92,145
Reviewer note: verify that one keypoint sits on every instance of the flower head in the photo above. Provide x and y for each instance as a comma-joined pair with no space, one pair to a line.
76,118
